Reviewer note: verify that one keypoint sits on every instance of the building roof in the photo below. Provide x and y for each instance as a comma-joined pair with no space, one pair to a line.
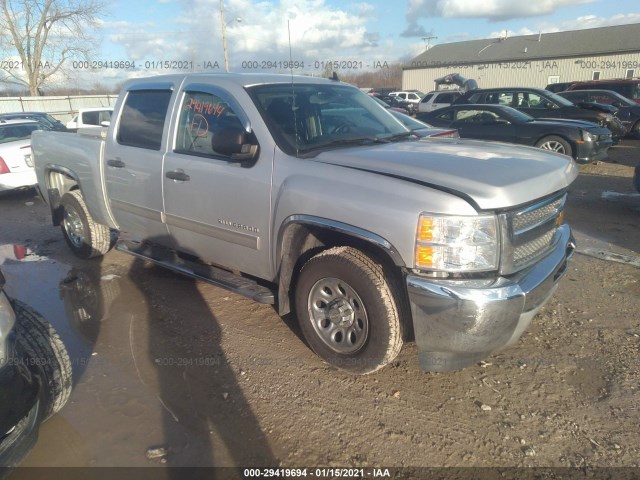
577,43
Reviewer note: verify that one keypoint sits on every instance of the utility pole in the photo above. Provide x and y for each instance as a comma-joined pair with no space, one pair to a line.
428,39
224,37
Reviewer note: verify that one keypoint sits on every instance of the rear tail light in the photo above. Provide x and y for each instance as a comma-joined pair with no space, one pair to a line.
447,134
3,167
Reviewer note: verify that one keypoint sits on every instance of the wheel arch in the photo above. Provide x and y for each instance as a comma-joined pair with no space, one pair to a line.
302,236
58,181
572,142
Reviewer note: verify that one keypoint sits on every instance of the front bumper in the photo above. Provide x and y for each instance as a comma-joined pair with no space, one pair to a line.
593,151
459,322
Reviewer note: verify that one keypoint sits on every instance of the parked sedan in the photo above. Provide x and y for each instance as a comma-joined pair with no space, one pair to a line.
542,104
399,104
628,111
46,121
390,104
584,141
16,165
422,129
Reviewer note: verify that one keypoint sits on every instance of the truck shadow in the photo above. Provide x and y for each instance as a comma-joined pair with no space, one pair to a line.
162,330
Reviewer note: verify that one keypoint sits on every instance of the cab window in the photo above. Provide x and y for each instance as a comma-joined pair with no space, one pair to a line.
202,114
142,119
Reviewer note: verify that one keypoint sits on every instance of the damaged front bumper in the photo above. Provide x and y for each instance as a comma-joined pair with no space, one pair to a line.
459,322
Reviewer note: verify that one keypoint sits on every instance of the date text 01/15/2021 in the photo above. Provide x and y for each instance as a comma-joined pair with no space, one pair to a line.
353,64
316,472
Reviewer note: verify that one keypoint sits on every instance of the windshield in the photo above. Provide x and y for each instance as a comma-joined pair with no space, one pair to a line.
517,115
560,100
12,133
308,117
622,100
410,122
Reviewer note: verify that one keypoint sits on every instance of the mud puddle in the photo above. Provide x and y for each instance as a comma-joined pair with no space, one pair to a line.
131,368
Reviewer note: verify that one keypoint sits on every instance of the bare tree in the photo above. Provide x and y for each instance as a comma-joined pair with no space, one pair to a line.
44,35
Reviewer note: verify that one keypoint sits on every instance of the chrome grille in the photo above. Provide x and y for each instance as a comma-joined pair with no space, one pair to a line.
525,253
529,233
530,218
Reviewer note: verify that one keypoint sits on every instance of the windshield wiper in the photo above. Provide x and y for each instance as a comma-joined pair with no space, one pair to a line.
399,136
346,141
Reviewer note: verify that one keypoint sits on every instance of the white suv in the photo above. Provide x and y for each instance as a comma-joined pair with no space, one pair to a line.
438,99
413,97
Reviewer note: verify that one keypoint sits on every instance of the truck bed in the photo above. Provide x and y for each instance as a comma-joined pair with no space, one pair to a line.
81,154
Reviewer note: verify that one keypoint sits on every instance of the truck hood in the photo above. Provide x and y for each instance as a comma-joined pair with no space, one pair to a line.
491,176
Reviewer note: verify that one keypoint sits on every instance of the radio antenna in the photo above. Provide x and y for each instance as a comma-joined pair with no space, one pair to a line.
294,108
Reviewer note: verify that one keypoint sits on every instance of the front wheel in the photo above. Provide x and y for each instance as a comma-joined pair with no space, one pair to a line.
349,311
86,238
556,144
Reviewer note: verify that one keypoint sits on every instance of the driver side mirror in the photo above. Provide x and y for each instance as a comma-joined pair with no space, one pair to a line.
234,142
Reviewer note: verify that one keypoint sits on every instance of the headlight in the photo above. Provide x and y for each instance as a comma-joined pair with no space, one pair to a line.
457,243
7,321
587,137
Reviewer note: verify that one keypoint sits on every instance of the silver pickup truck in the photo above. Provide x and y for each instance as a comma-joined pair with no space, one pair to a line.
305,193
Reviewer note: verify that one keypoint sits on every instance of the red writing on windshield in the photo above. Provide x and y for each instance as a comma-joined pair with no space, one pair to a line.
206,108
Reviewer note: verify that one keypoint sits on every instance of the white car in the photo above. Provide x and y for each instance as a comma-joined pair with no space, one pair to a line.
438,99
90,117
16,164
413,97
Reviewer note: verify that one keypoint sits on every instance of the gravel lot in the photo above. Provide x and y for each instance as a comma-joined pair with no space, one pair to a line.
173,372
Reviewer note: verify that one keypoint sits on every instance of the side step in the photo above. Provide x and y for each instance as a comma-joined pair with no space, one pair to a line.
216,276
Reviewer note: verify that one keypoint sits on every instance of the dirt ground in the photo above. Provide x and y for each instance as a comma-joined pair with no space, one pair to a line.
206,377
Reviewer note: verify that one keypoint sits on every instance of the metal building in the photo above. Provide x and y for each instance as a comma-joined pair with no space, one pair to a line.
531,60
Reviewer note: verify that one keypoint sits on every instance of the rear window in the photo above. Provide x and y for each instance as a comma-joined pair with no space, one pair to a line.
446,97
12,133
96,117
142,119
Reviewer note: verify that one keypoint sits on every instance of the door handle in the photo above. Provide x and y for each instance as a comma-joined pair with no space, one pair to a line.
177,175
117,163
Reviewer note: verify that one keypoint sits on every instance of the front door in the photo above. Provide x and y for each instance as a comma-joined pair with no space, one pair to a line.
216,208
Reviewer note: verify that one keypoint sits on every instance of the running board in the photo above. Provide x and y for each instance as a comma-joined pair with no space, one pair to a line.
213,275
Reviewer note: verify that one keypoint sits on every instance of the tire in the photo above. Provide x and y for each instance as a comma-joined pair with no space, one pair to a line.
349,310
86,238
44,349
635,130
555,144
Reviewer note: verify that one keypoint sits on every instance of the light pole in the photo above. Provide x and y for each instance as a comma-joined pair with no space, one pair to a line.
224,35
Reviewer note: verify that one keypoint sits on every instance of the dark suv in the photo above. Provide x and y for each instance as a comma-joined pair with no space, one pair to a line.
627,111
629,87
541,103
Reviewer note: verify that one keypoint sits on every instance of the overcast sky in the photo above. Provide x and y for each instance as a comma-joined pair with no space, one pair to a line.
366,33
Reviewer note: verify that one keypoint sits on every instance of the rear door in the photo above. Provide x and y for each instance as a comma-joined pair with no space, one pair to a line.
443,100
133,160
536,105
482,124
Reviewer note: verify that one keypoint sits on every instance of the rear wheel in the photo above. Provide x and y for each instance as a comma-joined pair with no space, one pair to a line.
555,144
348,310
86,238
